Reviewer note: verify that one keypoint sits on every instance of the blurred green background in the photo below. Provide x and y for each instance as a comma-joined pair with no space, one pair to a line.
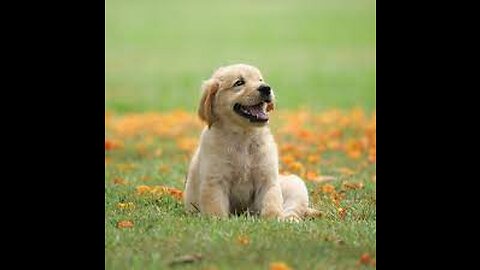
315,54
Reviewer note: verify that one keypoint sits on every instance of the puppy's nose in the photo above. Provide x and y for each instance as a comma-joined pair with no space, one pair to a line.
265,90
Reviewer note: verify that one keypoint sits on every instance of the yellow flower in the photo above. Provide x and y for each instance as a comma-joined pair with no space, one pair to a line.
342,212
296,166
143,189
128,205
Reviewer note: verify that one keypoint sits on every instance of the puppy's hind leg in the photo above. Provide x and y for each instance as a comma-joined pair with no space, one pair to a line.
295,198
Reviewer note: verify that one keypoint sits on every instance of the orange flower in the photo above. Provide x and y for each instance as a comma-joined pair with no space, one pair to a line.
125,224
306,135
187,144
296,167
113,144
143,189
243,240
353,148
327,188
279,266
342,212
288,159
365,258
310,175
160,191
313,158
349,185
176,193
119,181
337,197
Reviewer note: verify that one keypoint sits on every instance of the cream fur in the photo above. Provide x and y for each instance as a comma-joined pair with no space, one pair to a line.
235,167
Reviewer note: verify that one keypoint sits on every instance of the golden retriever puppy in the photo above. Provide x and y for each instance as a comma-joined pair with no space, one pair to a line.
235,167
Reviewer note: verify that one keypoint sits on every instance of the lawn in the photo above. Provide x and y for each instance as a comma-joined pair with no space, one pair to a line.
315,54
319,56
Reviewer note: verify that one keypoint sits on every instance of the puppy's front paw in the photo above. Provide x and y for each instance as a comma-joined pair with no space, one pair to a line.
272,213
291,217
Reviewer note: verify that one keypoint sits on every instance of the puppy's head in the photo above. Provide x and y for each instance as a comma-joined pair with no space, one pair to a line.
238,95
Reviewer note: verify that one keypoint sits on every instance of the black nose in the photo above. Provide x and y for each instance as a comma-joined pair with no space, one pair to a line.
265,90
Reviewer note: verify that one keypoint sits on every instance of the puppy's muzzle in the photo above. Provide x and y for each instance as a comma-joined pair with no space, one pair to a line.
265,92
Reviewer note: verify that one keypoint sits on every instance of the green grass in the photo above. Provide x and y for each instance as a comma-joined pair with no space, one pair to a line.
316,54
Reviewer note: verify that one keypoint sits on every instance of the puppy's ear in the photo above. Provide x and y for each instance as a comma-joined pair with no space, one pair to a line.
205,109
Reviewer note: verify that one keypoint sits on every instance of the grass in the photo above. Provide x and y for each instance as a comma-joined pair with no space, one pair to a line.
162,232
317,55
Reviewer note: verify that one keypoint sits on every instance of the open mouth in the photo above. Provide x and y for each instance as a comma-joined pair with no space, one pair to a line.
253,113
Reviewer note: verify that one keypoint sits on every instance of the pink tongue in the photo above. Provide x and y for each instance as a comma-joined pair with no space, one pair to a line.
258,111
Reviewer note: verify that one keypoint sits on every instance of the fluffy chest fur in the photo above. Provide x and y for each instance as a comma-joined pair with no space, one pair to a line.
241,182
246,162
241,159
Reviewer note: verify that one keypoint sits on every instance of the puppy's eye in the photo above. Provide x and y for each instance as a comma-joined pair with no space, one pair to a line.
239,83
